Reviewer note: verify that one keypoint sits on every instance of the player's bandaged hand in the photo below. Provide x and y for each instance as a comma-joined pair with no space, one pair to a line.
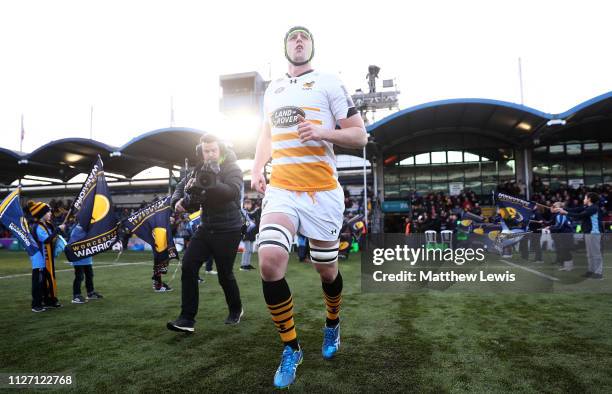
310,132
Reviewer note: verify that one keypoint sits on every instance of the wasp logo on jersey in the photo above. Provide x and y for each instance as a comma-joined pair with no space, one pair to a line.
287,116
308,85
279,89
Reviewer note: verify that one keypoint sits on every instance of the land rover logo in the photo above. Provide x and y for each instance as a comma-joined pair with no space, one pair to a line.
286,116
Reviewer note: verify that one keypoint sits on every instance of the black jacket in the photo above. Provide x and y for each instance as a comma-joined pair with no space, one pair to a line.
533,224
221,204
561,224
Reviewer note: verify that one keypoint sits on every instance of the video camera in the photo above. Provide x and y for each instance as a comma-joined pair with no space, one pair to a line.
202,179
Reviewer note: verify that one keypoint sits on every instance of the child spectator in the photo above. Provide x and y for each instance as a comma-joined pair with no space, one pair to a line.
83,268
46,235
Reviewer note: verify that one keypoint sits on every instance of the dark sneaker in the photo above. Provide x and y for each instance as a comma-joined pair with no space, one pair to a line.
55,305
596,276
37,309
587,274
164,288
181,325
234,317
79,299
200,280
94,296
246,267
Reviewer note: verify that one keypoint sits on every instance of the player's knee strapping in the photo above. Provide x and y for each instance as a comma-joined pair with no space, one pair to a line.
274,235
324,255
280,304
332,293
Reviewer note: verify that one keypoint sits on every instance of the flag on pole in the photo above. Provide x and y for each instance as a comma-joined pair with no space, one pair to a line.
515,212
152,224
22,135
96,223
12,217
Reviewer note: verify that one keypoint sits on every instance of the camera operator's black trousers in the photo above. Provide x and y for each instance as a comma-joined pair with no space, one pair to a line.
223,247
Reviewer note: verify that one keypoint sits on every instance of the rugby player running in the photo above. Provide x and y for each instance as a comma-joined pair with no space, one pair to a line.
303,110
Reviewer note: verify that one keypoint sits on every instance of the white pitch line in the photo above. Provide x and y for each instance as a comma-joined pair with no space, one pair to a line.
538,273
72,270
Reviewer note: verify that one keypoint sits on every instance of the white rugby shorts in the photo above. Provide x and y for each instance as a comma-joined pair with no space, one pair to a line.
316,215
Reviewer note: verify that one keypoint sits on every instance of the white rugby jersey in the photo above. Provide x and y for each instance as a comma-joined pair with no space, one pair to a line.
322,100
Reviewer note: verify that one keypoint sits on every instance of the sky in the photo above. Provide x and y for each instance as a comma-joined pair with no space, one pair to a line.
127,59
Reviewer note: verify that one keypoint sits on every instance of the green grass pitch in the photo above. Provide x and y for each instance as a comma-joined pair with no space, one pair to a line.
427,342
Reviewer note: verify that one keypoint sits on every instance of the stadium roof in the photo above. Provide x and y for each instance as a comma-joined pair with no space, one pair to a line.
163,147
438,125
65,158
8,163
479,123
590,120
457,123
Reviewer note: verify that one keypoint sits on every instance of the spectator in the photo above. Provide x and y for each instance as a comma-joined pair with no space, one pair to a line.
249,236
590,216
561,231
83,268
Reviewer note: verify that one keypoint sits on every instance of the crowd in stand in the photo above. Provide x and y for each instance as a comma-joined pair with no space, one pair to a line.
573,197
439,211
353,205
433,211
59,209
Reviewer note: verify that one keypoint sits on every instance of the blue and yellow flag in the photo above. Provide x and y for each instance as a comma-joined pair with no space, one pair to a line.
93,209
515,213
11,217
195,219
495,236
152,225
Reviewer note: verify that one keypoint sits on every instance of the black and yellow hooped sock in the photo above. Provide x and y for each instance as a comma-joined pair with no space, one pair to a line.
280,304
332,293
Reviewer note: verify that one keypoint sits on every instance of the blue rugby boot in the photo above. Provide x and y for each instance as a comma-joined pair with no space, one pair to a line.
285,374
331,341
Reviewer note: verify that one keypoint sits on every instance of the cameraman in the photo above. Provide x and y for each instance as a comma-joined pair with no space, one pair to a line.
214,186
